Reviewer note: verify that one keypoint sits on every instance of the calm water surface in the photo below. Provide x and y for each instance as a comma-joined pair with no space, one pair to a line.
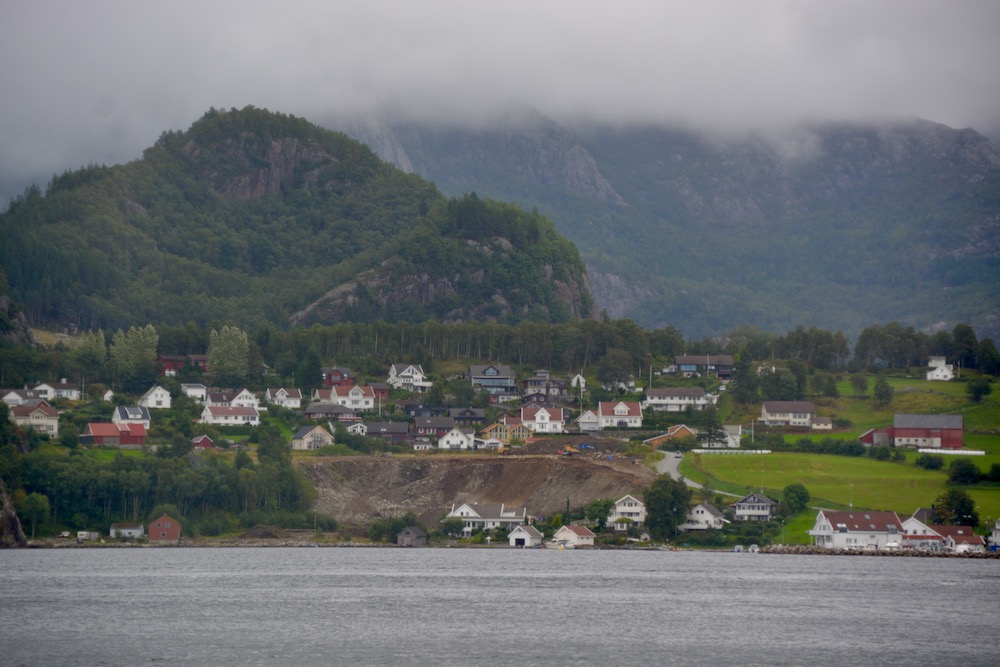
357,606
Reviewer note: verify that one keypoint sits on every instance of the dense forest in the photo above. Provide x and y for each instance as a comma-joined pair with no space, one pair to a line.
256,218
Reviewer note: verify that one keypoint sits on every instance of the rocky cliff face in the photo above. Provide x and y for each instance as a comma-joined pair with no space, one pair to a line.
11,533
13,324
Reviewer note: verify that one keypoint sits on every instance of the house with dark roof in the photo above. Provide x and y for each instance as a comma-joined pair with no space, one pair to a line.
719,365
334,376
311,437
286,397
755,507
412,536
919,431
787,413
131,414
496,380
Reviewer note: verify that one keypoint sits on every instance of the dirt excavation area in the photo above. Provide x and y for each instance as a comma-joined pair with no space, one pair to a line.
360,489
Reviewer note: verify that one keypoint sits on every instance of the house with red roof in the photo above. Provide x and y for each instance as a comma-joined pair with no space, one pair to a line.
857,529
619,414
115,435
544,420
572,537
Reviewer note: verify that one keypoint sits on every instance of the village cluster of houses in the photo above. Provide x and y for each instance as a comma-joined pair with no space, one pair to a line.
864,530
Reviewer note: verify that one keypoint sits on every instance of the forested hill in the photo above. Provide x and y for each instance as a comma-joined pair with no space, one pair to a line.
832,225
252,217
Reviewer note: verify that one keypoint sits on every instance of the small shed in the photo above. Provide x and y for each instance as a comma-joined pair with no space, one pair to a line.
525,536
412,536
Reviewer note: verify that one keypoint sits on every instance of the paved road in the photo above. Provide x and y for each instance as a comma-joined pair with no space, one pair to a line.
668,466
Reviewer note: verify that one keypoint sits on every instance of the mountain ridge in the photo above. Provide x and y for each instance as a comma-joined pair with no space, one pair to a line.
256,218
835,225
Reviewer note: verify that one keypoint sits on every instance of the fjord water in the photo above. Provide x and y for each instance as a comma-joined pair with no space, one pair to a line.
366,606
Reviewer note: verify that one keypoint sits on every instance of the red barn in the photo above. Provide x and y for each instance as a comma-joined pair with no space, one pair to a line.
164,529
919,432
105,433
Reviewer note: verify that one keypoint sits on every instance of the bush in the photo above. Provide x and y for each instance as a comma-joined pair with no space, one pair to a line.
963,471
930,461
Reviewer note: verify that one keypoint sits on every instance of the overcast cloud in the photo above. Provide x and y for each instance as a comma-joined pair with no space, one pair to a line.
97,81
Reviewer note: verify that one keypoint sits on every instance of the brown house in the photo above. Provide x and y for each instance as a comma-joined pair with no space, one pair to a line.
164,529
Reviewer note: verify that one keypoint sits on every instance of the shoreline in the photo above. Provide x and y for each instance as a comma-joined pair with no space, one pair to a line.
279,543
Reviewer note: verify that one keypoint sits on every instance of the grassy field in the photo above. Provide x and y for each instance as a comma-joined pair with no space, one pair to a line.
836,482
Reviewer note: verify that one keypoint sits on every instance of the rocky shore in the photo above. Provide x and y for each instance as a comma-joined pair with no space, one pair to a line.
810,550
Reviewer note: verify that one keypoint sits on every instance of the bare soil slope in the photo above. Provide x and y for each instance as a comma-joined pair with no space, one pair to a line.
358,490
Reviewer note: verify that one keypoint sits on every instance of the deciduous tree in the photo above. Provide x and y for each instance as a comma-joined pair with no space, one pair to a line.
667,505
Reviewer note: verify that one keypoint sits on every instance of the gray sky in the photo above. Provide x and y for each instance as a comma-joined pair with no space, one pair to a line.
97,81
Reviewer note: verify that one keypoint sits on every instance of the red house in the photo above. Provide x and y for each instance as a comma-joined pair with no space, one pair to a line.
919,431
202,442
337,377
105,433
164,529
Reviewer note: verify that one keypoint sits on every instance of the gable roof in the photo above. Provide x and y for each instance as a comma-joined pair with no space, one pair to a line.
959,534
608,408
132,412
663,392
501,370
864,522
26,409
927,421
580,531
757,499
530,531
111,430
306,430
790,406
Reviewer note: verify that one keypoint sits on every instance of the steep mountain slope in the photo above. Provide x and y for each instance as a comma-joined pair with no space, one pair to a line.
838,226
252,216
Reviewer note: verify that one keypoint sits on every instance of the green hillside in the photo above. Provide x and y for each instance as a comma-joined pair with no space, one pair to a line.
253,217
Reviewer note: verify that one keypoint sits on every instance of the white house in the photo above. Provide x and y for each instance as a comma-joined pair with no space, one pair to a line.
787,413
755,507
286,397
544,420
409,377
678,399
571,537
311,437
155,398
525,536
919,535
129,530
14,397
579,383
703,516
488,516
623,414
36,415
995,536
457,438
355,397
940,369
61,389
224,415
588,421
131,415
857,530
961,539
242,398
194,391
627,511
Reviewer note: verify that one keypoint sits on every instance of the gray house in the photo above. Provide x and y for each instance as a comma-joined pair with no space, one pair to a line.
411,536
